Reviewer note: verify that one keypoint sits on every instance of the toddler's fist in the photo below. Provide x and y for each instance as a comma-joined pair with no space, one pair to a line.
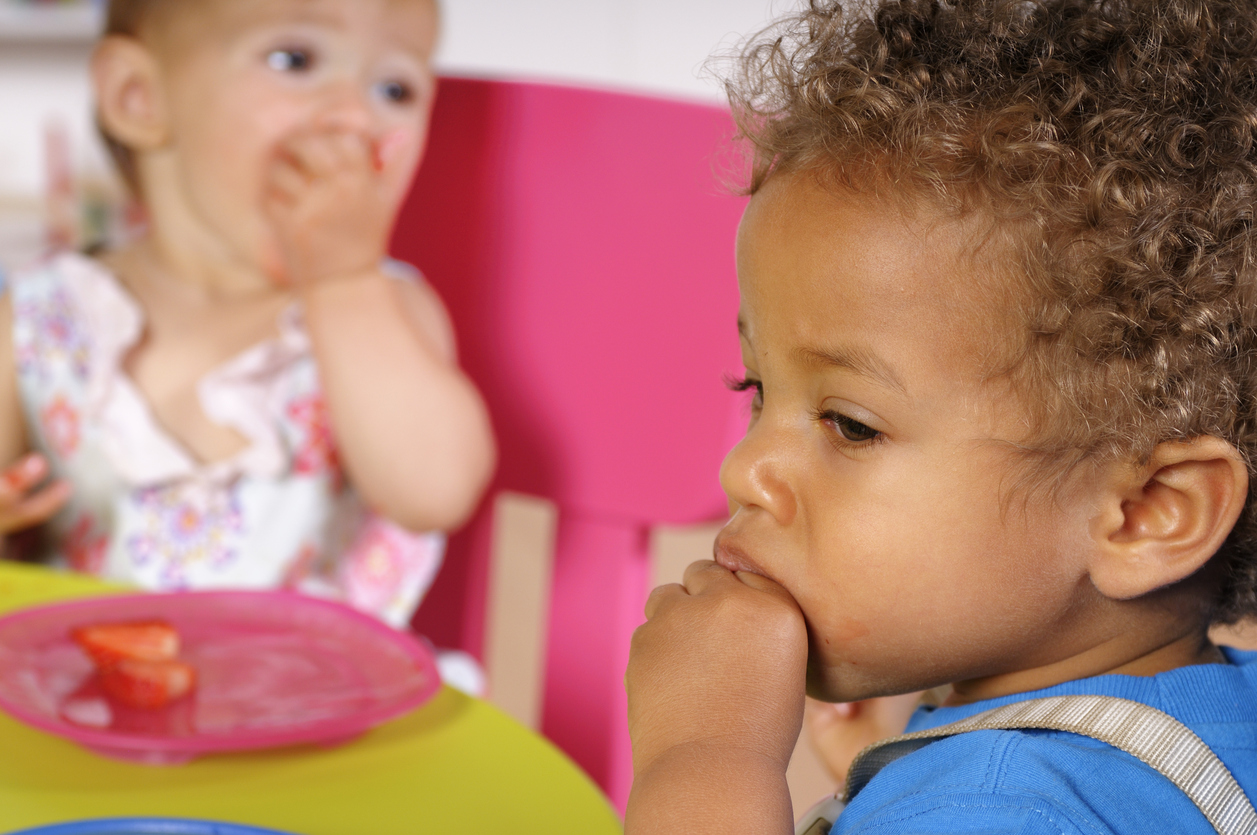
330,196
23,502
720,662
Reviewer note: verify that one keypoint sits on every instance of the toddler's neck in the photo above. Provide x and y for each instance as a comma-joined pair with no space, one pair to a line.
151,266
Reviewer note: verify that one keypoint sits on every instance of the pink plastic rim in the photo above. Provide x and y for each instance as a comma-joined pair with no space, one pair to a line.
393,671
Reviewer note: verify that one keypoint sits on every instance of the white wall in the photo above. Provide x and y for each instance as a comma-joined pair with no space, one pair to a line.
39,83
654,46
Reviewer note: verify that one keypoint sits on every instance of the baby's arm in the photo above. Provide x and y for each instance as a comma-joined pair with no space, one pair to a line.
715,689
412,431
23,503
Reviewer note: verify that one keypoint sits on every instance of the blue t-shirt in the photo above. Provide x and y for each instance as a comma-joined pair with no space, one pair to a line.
1039,782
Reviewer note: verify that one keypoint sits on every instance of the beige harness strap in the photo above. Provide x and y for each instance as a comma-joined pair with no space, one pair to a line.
1154,737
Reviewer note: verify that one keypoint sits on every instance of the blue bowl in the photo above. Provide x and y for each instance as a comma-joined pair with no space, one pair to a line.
148,826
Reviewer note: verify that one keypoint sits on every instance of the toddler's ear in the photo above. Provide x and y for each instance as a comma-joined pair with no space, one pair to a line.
126,79
1161,522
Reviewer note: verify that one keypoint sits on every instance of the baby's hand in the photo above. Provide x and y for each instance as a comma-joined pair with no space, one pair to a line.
22,503
331,196
720,664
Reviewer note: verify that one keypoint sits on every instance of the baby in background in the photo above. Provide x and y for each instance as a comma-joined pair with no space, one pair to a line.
248,395
999,315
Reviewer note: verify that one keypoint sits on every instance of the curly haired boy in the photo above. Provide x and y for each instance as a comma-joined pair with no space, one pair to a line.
999,313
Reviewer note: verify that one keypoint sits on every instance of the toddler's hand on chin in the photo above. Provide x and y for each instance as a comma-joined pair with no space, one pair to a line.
331,203
721,664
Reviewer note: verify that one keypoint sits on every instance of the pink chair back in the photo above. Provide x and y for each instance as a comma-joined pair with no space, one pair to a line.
583,242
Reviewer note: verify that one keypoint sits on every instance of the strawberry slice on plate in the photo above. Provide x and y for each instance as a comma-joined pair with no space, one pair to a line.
147,684
144,640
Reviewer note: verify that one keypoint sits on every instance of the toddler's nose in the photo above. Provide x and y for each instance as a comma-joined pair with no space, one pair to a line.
754,475
349,109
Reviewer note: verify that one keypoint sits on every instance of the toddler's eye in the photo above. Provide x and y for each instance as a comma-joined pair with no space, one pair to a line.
396,91
290,60
853,430
749,384
848,429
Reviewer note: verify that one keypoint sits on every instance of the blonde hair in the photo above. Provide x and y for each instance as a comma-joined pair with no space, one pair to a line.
126,17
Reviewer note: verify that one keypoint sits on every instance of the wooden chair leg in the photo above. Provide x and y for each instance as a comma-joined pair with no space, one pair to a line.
674,547
516,628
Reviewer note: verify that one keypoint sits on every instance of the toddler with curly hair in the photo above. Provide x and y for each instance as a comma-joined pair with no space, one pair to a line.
999,315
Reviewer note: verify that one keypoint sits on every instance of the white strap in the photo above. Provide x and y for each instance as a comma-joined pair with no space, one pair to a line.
1156,738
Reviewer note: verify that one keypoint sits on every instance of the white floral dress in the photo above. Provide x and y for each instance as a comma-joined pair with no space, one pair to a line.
144,511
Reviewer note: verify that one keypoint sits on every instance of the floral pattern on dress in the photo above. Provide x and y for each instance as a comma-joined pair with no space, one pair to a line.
56,338
387,563
59,421
316,448
185,530
374,567
85,546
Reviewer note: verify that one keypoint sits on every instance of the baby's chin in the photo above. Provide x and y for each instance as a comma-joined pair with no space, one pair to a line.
830,683
827,686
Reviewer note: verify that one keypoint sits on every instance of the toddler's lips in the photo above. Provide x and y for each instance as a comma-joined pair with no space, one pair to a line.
730,556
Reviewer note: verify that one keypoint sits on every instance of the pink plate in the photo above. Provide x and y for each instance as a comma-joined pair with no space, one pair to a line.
273,668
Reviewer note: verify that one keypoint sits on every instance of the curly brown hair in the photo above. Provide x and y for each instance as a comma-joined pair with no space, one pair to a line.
1117,138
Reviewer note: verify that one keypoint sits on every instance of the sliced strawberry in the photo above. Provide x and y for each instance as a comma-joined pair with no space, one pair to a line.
147,684
109,643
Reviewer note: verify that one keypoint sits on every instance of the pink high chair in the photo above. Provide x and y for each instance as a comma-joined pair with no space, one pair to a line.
584,244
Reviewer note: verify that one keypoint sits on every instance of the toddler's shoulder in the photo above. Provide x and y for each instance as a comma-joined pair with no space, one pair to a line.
423,306
59,273
990,782
1020,782
1050,781
45,271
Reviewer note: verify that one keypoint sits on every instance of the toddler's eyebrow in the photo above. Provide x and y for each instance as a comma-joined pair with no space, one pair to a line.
864,363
